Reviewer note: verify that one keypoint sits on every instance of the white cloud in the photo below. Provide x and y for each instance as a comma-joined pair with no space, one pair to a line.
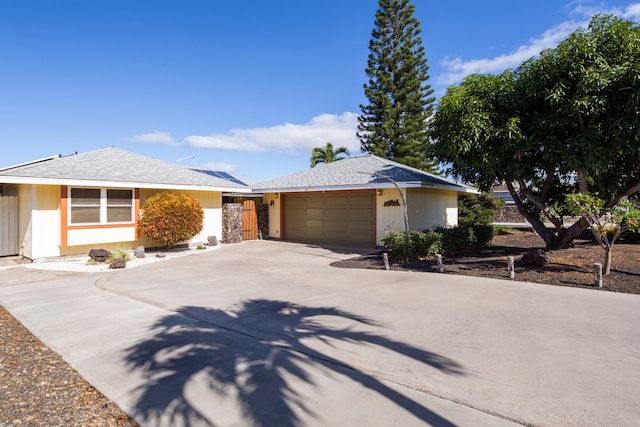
340,130
219,166
164,138
632,12
457,68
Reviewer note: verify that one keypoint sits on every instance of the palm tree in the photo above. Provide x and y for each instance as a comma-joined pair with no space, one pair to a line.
327,154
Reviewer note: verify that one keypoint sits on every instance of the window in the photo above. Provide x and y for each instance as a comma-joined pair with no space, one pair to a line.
100,206
119,206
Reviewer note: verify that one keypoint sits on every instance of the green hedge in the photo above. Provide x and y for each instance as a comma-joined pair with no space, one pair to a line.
448,241
421,243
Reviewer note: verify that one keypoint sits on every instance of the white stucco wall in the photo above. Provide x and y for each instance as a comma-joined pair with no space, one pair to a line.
388,218
274,214
426,209
44,225
432,208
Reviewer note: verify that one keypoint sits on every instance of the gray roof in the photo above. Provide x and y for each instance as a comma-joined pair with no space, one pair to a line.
359,172
115,166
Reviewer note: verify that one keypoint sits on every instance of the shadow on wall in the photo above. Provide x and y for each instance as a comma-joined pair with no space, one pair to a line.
255,355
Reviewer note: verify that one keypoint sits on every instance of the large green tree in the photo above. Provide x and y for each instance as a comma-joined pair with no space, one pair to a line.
393,124
327,154
567,118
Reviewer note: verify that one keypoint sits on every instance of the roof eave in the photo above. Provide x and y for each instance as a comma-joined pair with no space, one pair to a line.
368,186
117,184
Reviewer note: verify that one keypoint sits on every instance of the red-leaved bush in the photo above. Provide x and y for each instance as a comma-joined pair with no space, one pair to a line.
169,218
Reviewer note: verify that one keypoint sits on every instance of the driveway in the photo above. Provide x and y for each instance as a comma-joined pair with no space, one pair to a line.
267,333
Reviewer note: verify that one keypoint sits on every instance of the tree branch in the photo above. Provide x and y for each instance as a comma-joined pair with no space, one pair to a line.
547,183
537,225
539,204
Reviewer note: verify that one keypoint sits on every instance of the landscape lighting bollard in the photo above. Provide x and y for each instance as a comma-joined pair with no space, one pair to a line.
511,267
440,266
597,273
385,257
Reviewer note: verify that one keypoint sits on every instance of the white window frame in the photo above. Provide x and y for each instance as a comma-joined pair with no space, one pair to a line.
102,208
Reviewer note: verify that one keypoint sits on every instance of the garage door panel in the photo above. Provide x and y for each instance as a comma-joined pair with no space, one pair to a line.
314,202
337,212
360,213
296,212
359,227
337,227
346,218
296,203
314,213
314,223
333,200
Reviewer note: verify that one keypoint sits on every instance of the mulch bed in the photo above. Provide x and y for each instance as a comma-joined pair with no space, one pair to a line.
568,267
38,388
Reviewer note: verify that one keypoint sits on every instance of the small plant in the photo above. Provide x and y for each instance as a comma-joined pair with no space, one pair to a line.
607,223
201,247
120,253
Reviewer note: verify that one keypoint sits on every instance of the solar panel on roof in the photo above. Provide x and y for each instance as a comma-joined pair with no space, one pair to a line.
221,175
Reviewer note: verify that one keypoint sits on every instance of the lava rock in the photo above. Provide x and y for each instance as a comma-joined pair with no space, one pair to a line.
139,252
99,255
535,258
118,263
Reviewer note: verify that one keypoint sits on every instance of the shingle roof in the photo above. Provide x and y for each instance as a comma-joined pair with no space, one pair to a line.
367,171
115,165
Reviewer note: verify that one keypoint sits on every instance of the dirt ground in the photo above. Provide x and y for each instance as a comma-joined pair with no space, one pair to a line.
568,267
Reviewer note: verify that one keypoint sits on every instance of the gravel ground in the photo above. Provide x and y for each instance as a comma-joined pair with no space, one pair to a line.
83,263
38,388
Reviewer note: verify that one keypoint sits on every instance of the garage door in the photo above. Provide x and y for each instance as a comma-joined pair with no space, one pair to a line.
337,218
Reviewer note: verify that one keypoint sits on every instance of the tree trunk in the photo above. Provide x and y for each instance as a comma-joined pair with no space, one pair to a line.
567,235
607,260
562,237
535,222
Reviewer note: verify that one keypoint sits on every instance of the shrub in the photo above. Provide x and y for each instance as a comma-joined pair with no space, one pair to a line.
457,240
421,243
478,209
169,218
484,234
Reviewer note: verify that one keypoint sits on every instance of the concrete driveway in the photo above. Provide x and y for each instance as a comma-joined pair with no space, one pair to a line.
267,333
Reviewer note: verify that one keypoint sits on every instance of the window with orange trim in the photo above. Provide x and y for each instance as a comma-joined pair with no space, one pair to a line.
100,206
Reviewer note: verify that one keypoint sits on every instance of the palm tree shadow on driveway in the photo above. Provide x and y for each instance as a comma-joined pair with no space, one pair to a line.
259,370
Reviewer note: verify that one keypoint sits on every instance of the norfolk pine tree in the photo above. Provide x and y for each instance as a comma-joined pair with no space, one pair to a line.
394,123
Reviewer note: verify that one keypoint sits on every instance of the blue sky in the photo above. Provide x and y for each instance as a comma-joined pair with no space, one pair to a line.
248,87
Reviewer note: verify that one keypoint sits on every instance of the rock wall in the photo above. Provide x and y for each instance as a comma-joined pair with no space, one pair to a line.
232,223
263,220
509,214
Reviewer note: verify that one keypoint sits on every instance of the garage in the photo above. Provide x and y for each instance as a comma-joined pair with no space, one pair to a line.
343,218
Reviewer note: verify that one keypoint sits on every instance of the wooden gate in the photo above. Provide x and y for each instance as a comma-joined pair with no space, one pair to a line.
8,225
249,220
